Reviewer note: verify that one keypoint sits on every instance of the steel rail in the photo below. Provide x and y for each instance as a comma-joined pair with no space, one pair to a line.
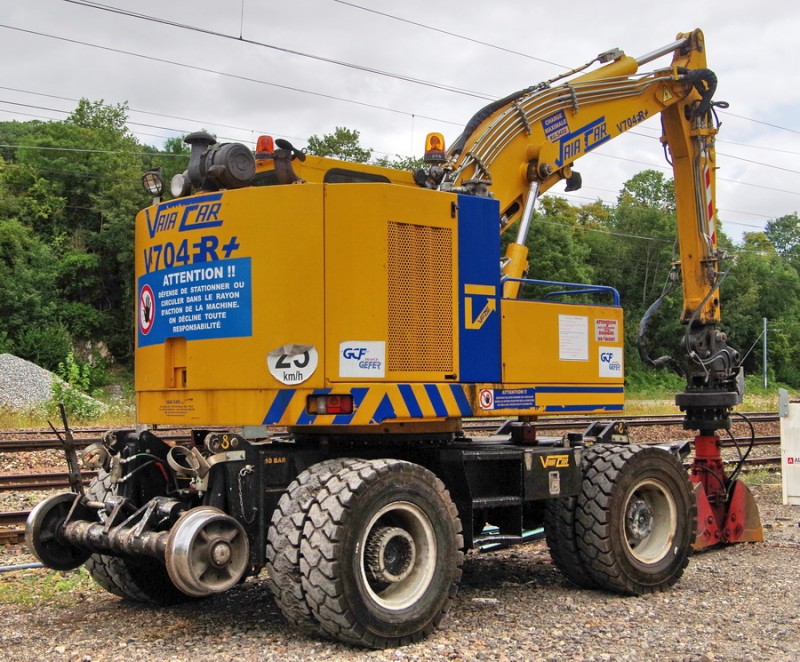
39,481
24,440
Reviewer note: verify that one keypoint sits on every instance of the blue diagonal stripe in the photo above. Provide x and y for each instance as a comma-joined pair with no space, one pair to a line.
411,400
436,399
461,399
278,408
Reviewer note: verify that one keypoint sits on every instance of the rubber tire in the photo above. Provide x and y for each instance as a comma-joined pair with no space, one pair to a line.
611,477
559,528
140,579
283,541
333,543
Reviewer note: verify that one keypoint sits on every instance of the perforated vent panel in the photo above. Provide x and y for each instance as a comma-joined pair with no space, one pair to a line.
420,298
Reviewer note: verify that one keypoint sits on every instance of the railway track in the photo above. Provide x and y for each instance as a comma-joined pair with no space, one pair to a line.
12,441
12,522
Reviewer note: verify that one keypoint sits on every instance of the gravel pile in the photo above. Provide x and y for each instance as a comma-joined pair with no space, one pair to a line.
23,385
734,603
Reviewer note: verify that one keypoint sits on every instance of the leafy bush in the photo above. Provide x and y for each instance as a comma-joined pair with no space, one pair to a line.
73,391
6,344
45,346
653,384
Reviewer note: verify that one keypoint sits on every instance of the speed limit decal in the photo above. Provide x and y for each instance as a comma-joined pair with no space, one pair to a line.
293,364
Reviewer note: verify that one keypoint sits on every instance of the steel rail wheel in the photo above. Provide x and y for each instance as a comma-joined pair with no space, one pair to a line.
381,553
635,519
207,552
42,534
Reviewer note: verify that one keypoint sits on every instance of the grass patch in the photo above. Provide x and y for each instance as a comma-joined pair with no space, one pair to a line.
761,477
26,588
120,413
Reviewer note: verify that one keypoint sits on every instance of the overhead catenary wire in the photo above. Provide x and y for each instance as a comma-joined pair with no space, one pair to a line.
226,74
282,49
450,34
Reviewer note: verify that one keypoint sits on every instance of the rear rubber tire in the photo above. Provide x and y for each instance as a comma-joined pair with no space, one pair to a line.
636,519
283,541
381,553
140,579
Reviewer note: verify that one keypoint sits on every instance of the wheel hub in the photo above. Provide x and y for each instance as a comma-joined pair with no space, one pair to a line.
389,554
640,520
220,553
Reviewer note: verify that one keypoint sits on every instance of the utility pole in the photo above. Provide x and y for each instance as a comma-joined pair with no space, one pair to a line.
766,379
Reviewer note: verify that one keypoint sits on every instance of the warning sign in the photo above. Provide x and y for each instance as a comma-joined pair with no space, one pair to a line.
147,309
515,398
197,302
606,330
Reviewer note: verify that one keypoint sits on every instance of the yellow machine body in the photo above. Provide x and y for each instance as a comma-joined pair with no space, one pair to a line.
250,301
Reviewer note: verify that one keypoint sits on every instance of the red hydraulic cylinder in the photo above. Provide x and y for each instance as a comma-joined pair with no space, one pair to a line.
726,510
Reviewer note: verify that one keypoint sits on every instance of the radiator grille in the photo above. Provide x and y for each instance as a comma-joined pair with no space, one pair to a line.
420,298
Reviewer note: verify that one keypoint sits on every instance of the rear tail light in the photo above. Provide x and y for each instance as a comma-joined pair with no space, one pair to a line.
329,404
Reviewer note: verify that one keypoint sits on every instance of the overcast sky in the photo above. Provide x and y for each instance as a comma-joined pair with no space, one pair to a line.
176,80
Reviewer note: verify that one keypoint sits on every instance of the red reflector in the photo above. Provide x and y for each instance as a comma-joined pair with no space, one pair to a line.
265,144
340,404
330,404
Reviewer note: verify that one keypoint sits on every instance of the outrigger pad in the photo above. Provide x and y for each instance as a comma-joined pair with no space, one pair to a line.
743,523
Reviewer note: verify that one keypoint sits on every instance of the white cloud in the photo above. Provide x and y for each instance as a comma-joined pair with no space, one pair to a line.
750,47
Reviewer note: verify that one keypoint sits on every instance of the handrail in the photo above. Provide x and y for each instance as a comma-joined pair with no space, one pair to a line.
582,288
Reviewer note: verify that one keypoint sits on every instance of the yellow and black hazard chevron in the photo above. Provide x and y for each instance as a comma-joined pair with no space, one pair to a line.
372,405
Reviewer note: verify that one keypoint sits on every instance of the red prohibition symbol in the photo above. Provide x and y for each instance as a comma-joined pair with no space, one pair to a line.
147,309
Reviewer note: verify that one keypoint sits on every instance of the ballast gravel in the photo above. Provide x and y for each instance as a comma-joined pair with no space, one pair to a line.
23,385
740,602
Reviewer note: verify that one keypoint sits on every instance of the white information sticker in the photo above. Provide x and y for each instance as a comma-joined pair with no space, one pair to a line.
573,338
610,361
362,358
293,364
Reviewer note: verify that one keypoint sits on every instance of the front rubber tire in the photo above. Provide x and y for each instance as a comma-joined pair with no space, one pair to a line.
562,542
381,553
636,518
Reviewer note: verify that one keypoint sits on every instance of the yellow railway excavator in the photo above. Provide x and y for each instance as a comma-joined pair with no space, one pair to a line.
324,327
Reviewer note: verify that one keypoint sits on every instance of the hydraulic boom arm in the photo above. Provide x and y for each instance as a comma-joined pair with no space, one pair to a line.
518,147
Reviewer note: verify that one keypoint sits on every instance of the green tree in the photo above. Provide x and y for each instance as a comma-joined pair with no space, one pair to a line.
556,247
763,284
784,234
399,162
76,188
26,281
342,144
